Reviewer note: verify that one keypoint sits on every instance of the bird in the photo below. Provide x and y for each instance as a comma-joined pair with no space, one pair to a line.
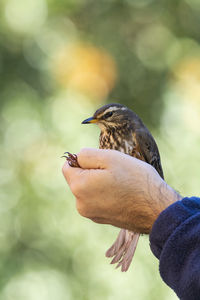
123,130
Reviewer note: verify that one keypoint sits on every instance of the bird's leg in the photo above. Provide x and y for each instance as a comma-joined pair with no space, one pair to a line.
72,159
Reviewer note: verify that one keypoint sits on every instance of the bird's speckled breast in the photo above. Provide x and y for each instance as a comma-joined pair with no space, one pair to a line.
117,140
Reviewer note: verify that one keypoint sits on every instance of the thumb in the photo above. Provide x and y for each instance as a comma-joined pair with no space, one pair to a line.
90,158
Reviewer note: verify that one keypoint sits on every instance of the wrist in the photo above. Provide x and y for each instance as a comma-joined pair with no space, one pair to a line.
165,196
157,196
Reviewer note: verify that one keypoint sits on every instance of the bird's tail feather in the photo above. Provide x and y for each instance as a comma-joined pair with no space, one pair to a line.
123,249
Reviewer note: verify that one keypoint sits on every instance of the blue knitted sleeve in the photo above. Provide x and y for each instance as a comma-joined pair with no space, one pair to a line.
175,241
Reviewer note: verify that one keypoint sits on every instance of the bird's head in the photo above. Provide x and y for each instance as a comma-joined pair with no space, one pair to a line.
111,115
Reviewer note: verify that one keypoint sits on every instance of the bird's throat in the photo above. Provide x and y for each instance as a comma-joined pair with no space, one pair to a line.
117,139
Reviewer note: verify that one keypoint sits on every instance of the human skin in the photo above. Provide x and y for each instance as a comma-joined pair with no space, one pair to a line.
114,188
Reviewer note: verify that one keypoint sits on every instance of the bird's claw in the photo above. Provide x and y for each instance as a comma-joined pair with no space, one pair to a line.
72,159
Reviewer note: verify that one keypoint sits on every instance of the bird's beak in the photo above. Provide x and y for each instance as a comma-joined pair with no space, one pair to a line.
89,121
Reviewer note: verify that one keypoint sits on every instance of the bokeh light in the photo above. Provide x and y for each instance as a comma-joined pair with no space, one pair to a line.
157,47
41,285
193,4
25,16
87,69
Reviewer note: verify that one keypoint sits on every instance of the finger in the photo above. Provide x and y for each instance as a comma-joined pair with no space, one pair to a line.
90,158
80,180
71,173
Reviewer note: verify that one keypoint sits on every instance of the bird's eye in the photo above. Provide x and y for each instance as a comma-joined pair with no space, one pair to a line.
108,114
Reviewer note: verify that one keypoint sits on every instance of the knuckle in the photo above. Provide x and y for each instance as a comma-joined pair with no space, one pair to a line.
77,188
82,208
74,186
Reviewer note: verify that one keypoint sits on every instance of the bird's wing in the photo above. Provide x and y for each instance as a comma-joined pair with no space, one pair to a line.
148,149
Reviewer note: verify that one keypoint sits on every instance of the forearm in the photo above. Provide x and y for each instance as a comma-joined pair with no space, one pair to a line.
175,241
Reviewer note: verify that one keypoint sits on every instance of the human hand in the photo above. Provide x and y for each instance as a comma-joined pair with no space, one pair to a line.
115,188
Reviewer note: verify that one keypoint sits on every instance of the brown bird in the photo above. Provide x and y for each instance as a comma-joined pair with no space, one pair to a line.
123,130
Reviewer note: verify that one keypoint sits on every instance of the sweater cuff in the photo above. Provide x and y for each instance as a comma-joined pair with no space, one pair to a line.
169,220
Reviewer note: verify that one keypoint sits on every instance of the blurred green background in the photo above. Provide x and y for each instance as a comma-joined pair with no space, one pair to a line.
59,62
